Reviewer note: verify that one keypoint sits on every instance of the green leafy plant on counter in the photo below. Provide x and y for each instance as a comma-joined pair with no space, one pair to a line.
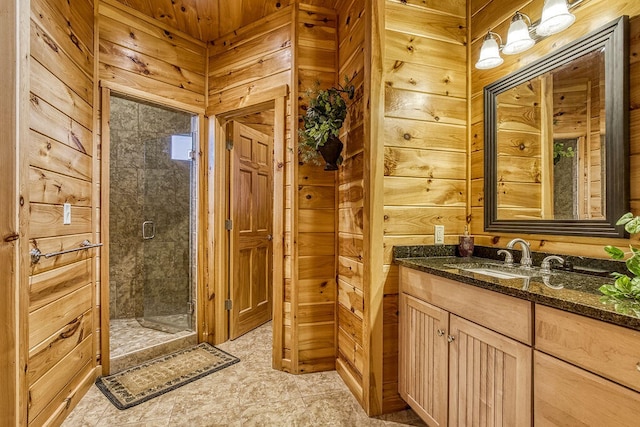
625,292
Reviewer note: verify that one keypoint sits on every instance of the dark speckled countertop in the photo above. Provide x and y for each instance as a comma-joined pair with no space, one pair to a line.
570,291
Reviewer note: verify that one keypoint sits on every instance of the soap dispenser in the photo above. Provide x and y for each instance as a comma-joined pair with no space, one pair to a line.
465,248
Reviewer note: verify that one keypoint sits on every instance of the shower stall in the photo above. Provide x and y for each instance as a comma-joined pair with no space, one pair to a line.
152,220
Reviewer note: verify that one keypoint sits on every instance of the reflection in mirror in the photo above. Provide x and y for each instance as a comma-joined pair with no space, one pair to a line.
549,134
556,140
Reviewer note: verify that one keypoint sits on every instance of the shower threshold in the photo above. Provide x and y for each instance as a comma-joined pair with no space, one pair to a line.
131,343
171,324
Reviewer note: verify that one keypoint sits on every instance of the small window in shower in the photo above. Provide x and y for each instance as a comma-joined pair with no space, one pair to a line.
181,146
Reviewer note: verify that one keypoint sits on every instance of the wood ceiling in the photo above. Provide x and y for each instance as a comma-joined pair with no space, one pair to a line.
209,19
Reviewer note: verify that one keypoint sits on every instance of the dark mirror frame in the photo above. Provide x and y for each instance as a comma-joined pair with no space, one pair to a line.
613,37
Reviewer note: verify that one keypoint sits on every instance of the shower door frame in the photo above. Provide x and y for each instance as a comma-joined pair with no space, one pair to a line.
201,159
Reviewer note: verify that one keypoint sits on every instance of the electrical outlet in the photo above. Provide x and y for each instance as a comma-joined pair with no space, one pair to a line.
66,220
439,234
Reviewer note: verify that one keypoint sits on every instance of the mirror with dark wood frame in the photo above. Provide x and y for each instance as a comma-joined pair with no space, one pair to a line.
557,140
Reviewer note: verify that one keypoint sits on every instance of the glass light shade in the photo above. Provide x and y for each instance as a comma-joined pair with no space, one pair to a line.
555,17
489,54
518,38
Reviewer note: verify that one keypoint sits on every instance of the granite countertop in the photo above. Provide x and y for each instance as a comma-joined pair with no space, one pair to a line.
570,291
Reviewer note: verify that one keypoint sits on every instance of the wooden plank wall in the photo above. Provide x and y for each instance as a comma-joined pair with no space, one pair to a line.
142,57
351,356
254,59
61,153
425,137
316,290
519,169
496,15
14,128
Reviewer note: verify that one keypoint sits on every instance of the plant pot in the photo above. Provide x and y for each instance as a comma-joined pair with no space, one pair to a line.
330,152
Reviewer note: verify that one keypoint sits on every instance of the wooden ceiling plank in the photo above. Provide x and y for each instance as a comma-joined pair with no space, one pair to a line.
186,15
208,20
230,15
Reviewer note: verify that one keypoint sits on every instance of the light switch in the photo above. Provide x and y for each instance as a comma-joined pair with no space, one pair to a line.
439,235
66,220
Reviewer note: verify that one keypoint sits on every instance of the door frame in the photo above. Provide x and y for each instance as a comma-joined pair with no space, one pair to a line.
216,316
202,272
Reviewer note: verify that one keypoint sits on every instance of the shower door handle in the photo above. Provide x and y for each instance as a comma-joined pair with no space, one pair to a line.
146,226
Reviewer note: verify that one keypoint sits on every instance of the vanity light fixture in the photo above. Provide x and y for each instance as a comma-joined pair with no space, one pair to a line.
518,37
555,17
490,52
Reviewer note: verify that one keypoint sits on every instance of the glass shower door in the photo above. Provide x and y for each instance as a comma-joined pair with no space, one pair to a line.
166,229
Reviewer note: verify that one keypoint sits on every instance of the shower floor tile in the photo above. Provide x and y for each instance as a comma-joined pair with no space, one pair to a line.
128,336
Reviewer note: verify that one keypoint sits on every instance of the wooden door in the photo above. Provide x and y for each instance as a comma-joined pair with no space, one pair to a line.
489,377
423,359
251,229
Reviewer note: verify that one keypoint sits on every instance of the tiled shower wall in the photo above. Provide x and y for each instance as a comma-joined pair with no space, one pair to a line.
148,277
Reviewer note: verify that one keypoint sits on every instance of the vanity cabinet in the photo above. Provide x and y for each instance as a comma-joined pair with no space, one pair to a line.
586,372
423,359
457,366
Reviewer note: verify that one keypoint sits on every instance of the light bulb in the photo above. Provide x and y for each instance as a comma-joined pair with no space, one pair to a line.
555,17
489,53
518,38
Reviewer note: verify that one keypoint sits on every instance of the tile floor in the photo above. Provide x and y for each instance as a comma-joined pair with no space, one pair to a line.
248,393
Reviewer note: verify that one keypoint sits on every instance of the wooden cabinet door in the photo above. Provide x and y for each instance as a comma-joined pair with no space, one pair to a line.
565,395
489,377
423,359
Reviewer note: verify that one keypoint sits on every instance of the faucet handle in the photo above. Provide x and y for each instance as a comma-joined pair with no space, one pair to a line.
508,258
545,266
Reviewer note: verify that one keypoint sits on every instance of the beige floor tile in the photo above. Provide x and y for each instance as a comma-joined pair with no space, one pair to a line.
249,393
274,413
319,383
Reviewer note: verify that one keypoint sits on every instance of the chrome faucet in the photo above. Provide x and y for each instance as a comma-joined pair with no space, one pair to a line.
508,258
525,261
545,267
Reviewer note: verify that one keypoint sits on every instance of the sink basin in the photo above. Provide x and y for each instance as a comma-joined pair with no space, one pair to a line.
500,274
496,270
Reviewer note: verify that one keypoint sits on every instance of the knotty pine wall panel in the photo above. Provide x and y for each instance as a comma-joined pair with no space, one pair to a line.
425,143
256,58
591,15
316,59
351,355
60,152
142,57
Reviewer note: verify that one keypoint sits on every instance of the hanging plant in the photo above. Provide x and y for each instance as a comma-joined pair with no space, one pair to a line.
322,122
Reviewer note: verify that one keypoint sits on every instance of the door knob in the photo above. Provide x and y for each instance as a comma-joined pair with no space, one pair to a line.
450,338
440,332
269,237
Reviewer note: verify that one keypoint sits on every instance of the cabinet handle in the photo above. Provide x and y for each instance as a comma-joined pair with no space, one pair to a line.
638,366
440,332
450,338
